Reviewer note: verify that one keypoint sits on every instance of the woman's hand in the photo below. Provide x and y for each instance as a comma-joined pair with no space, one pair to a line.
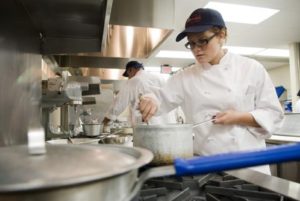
231,117
148,107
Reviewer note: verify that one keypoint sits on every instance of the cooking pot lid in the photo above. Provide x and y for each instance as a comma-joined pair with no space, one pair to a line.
64,165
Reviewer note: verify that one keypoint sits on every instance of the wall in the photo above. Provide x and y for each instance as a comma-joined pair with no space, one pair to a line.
281,76
20,64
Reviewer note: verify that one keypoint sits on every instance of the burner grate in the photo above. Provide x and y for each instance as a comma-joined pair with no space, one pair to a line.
211,187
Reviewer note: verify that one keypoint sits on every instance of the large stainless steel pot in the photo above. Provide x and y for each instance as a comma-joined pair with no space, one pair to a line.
106,173
70,173
166,142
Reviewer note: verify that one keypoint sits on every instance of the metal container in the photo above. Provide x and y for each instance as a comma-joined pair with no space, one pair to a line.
166,142
92,129
121,139
106,173
74,141
70,173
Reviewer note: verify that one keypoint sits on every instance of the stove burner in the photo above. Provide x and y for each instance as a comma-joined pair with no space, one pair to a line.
211,187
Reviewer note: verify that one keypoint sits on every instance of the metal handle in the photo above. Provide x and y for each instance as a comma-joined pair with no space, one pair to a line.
222,162
203,122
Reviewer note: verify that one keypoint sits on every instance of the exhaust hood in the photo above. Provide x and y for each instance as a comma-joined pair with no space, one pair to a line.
69,26
100,28
130,41
135,29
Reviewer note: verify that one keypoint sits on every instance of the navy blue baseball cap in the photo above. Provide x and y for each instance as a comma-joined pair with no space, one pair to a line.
201,20
132,64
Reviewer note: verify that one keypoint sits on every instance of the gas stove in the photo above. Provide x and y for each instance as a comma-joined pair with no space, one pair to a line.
210,187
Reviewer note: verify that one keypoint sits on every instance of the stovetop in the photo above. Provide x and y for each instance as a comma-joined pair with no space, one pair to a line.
211,187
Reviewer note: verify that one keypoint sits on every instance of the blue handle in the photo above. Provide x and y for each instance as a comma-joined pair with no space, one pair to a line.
230,161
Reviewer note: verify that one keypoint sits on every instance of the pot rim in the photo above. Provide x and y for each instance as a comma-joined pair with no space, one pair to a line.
164,126
30,182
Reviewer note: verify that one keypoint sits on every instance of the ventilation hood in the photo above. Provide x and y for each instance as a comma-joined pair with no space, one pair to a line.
69,26
71,30
134,30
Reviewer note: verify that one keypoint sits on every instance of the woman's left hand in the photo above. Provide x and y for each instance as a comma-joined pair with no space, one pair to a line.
231,117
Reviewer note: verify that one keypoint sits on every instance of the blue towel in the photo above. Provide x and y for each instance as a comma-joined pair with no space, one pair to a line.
280,90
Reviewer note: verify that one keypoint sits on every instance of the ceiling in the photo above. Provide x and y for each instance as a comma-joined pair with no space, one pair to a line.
276,32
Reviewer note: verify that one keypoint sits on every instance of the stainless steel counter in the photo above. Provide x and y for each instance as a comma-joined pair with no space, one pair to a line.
289,170
281,139
288,188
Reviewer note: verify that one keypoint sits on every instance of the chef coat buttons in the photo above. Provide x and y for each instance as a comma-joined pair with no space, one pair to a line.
206,92
233,138
207,116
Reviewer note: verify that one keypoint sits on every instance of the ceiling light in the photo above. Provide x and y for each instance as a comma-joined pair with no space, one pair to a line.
174,69
158,68
152,69
244,50
274,53
247,51
241,13
175,54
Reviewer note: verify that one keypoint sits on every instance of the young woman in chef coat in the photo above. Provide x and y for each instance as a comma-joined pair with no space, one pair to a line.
234,90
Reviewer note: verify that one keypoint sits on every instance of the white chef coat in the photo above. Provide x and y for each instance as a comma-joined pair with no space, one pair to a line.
141,83
237,83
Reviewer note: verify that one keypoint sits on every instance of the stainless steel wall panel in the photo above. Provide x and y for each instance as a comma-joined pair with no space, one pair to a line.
69,24
20,64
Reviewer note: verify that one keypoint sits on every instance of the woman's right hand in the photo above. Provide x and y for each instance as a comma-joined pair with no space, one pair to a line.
148,107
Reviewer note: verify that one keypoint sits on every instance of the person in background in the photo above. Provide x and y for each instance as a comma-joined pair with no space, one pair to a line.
234,91
297,105
139,82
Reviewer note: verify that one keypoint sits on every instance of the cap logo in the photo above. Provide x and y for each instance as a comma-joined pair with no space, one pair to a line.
193,20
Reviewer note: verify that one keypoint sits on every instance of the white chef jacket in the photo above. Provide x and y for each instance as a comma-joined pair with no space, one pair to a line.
237,83
141,83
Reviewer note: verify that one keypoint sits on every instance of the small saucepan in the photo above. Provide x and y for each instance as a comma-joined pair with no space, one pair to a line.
92,129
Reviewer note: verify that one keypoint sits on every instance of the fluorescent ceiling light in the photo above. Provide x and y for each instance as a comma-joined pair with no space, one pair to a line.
158,68
274,53
152,69
247,51
175,54
174,69
241,13
256,51
244,50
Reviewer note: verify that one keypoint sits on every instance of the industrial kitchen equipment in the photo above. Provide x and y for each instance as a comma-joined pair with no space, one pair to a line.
67,93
